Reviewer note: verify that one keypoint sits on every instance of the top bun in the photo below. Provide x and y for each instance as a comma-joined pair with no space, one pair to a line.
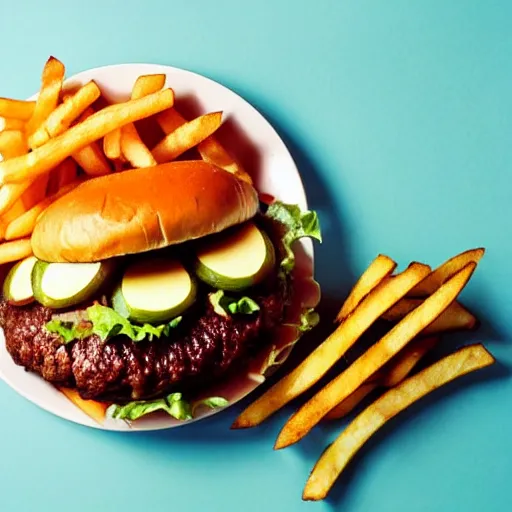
141,210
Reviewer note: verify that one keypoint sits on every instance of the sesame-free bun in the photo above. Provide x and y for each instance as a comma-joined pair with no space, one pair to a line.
141,210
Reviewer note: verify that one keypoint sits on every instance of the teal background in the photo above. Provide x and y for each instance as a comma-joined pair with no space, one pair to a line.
399,115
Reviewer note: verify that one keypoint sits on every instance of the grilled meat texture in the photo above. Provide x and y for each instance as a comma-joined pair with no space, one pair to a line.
204,347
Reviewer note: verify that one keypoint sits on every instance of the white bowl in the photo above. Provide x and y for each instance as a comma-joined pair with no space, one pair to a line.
249,136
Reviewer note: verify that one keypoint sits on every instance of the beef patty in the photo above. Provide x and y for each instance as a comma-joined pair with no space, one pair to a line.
203,347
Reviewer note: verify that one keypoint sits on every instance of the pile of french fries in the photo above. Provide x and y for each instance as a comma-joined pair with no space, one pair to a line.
51,145
420,305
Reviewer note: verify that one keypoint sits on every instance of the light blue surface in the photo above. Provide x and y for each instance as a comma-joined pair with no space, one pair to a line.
399,114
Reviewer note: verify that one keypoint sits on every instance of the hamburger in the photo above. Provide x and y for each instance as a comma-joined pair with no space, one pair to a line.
146,287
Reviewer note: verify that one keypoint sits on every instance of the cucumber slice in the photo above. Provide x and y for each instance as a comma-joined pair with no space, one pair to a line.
236,261
60,285
154,291
17,287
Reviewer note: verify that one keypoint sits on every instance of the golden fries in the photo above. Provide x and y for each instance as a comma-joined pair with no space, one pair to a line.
62,117
379,269
51,86
456,317
352,401
147,84
10,193
14,251
112,144
186,136
316,365
93,409
17,109
373,359
65,173
25,223
46,157
12,143
7,123
210,149
131,145
334,460
445,271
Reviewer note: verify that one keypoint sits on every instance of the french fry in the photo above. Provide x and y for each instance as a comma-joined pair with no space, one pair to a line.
392,374
14,251
334,460
7,123
93,409
316,365
210,149
186,136
47,101
13,143
378,270
352,401
133,149
404,362
147,84
25,223
455,318
112,144
131,145
301,423
79,136
431,283
62,117
10,193
17,109
66,172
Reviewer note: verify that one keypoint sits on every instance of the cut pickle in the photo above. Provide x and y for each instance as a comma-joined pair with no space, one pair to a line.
154,291
61,285
236,261
17,289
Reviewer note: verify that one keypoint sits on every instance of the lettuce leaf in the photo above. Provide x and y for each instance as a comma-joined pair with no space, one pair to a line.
308,319
298,224
106,323
174,405
224,305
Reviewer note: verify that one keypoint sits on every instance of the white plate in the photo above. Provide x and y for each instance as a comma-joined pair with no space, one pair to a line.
249,136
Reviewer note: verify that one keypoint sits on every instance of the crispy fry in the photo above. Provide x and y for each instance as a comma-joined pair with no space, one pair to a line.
62,117
455,318
210,149
112,144
404,362
392,374
316,365
48,156
334,460
379,269
301,423
131,145
147,84
93,409
10,193
133,149
17,109
186,136
47,101
352,401
14,251
441,274
7,123
66,172
24,224
13,143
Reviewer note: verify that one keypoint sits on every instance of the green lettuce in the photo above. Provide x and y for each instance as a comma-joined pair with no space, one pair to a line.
224,305
298,224
308,319
106,323
174,405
